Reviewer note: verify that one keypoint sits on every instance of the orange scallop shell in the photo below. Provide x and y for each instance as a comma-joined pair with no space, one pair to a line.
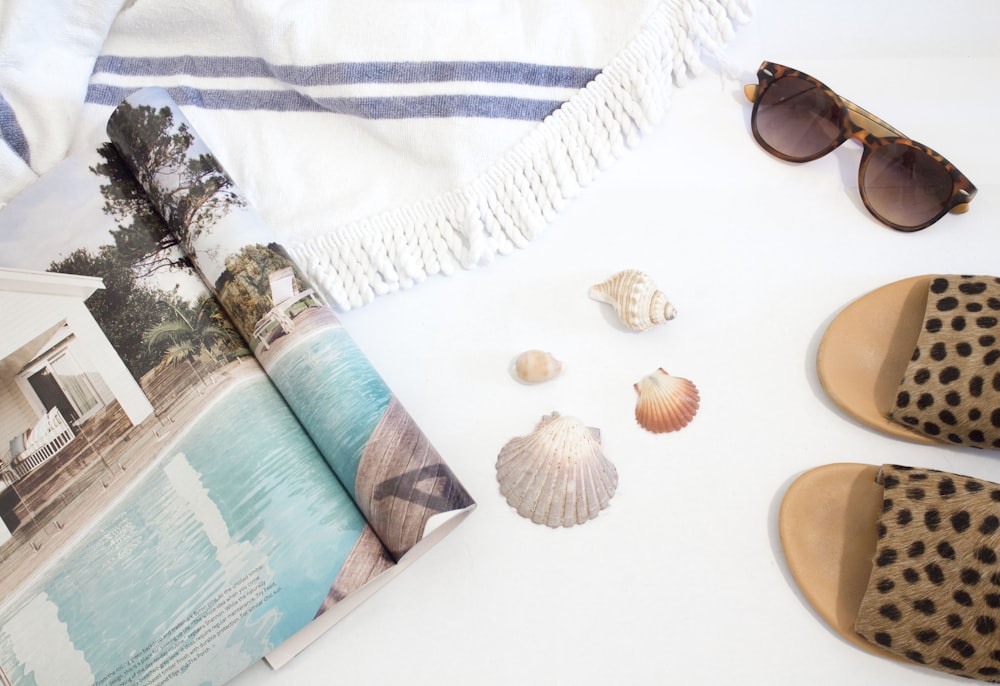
665,403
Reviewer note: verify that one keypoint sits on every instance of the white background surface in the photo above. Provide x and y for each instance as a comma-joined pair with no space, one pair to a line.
682,579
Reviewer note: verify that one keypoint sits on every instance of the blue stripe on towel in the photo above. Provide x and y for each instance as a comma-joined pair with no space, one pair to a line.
350,72
400,107
11,133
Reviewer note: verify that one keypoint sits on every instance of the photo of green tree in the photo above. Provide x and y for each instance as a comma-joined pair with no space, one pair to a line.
148,325
191,187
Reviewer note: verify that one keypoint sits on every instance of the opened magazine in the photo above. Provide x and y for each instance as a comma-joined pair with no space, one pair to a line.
199,466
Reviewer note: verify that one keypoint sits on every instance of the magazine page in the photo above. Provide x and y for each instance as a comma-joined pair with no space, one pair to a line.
164,518
394,474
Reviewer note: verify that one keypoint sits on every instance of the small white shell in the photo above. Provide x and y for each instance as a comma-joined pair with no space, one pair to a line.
536,366
637,301
557,475
665,403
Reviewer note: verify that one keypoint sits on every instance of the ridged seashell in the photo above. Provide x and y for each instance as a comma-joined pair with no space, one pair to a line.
665,403
557,475
536,366
637,301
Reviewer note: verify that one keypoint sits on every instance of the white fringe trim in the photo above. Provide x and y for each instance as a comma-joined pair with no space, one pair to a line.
512,201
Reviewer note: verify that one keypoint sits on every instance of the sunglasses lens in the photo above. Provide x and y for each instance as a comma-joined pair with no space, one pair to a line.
797,120
905,186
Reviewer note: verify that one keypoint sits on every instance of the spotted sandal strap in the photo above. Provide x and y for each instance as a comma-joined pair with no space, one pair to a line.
934,593
951,388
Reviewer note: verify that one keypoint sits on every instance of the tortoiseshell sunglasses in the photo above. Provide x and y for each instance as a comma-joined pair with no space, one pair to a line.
905,184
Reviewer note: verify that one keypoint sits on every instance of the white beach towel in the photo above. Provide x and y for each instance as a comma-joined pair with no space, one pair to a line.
384,141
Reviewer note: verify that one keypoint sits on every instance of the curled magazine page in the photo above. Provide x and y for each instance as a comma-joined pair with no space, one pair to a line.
395,475
164,517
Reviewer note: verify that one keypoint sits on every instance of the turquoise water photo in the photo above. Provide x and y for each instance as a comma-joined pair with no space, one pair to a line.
336,394
213,553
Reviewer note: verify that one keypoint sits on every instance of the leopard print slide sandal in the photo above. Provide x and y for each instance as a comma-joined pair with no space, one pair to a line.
917,359
899,561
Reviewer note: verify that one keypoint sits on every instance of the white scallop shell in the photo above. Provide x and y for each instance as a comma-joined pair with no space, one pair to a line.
557,475
665,403
637,301
536,366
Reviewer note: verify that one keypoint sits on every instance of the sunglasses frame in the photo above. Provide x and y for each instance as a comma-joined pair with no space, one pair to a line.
867,129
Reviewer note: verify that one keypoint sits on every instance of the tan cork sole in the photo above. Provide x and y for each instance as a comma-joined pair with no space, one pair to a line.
865,350
828,524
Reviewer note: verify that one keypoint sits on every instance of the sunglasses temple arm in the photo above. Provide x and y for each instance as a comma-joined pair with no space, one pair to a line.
865,120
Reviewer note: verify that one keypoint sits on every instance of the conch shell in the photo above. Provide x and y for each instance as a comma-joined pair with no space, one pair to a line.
557,475
536,366
637,301
665,403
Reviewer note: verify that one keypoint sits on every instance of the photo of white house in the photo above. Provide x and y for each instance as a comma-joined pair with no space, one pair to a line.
63,390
